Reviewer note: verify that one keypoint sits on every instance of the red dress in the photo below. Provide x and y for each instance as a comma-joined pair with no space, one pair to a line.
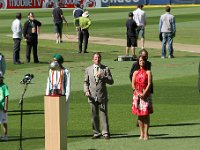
141,107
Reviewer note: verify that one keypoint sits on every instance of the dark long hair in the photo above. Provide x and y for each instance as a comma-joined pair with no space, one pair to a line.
145,61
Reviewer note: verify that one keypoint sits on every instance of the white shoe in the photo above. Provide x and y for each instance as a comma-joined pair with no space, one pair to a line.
57,42
163,57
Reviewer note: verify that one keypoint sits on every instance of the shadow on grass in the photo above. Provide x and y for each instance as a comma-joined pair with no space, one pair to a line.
78,136
17,138
113,136
116,136
184,56
177,137
25,112
179,124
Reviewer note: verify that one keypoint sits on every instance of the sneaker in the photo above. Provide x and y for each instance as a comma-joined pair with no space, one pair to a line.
170,56
163,57
96,136
106,137
57,42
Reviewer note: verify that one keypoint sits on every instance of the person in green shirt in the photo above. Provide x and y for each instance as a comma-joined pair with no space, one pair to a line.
4,93
83,35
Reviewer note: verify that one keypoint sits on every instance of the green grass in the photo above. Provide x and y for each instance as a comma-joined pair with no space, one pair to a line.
175,123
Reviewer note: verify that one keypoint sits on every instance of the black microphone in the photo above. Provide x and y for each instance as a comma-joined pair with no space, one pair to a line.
27,78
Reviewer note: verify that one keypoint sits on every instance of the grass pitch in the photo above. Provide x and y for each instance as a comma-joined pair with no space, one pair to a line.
175,123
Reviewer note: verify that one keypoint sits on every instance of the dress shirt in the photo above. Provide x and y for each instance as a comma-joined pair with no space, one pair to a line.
16,29
96,70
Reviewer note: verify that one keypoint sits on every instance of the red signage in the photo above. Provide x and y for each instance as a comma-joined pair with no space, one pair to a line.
14,4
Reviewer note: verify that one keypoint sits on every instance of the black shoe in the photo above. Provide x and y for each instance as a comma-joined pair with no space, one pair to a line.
17,63
106,137
96,136
36,62
86,52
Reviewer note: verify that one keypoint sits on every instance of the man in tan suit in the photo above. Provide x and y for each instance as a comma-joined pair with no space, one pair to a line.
96,78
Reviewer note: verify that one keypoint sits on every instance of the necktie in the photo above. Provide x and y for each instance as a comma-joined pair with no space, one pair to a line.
96,70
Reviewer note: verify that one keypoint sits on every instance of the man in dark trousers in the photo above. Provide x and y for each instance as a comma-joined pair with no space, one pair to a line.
58,18
83,35
17,36
30,32
131,35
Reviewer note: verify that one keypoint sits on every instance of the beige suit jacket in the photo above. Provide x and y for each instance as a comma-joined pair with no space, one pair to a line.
98,91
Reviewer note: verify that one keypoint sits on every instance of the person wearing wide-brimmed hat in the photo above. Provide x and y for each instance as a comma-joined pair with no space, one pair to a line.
4,93
58,82
83,35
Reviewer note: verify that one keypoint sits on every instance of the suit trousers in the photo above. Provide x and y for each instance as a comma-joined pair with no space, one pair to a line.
16,50
97,108
29,46
83,37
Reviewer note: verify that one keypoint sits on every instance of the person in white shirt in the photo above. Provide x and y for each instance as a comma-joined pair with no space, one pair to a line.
58,81
139,16
17,36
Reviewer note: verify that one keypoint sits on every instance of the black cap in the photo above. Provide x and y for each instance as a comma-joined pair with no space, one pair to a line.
130,14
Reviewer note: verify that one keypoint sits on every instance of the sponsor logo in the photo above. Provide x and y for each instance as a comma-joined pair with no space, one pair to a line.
25,3
119,1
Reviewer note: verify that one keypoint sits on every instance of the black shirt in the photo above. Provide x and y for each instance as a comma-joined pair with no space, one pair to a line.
28,25
131,27
57,13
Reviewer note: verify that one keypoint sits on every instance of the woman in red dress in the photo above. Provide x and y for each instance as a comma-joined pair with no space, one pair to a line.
142,102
